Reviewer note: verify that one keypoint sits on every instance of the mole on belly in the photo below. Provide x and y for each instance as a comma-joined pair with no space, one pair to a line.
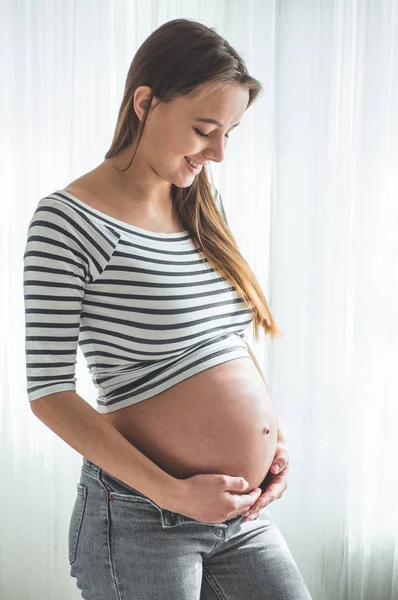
266,430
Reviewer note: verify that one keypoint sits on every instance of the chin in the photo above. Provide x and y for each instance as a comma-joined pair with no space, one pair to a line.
185,184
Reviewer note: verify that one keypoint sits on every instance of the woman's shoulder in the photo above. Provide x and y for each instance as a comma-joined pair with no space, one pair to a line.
61,224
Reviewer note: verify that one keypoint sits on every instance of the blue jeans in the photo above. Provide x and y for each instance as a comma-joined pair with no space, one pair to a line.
123,546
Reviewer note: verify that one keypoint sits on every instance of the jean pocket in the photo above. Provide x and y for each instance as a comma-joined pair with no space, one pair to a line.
118,488
76,521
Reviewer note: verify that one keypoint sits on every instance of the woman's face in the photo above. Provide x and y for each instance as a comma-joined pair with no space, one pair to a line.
174,131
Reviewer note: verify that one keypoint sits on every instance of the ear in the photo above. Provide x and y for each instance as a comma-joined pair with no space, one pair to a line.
141,100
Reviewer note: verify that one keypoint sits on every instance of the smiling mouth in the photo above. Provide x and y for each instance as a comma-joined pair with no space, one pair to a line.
191,166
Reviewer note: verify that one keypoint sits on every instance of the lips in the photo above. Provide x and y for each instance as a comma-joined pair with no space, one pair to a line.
191,167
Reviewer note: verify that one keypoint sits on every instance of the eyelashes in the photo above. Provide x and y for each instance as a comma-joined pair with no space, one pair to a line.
201,134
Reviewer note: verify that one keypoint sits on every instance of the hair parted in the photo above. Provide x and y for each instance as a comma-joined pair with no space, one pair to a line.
176,60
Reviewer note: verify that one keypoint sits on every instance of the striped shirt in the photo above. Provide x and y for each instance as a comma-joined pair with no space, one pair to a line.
146,310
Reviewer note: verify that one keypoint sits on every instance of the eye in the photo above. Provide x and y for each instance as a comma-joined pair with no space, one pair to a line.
201,134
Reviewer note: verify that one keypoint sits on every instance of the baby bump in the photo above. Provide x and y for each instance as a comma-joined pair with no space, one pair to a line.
220,420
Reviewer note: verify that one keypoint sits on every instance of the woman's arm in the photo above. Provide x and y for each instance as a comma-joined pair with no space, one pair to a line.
257,365
280,434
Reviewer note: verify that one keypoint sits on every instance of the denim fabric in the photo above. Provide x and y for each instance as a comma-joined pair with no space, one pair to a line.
123,546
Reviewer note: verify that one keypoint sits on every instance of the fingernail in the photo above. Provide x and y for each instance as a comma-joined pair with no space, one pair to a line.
275,469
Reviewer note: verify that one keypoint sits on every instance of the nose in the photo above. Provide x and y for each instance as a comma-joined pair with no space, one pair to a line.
215,152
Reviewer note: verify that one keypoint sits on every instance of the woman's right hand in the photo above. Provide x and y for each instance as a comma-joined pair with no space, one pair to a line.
211,498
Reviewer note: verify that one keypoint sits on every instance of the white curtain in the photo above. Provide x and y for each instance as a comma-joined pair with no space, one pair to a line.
310,188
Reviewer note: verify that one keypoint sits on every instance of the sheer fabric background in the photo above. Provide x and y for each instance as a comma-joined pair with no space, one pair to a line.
309,184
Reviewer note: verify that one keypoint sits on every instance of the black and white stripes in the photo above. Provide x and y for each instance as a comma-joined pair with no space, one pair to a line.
146,310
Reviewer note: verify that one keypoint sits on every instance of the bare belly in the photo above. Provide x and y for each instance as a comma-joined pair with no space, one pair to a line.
220,420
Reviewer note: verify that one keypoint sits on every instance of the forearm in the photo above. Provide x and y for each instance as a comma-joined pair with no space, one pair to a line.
87,432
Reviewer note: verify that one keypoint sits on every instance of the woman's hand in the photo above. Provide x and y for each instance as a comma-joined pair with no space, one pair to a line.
277,482
211,497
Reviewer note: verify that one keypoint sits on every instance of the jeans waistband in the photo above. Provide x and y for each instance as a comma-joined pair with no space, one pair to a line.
91,465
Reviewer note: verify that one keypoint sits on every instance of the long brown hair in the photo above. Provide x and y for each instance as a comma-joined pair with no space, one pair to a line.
174,61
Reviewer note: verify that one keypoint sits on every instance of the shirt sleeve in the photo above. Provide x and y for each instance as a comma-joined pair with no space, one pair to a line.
64,252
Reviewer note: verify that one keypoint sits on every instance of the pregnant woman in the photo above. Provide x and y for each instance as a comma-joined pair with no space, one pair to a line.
135,263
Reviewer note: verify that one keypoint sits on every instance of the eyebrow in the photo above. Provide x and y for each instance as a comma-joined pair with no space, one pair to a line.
213,121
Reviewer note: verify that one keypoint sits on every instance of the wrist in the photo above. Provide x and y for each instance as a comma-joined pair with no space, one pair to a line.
170,493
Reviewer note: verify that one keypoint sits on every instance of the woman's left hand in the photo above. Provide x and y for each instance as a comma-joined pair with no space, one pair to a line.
277,482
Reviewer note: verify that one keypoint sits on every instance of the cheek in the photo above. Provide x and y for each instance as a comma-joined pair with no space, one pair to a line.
161,136
171,133
173,141
173,144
